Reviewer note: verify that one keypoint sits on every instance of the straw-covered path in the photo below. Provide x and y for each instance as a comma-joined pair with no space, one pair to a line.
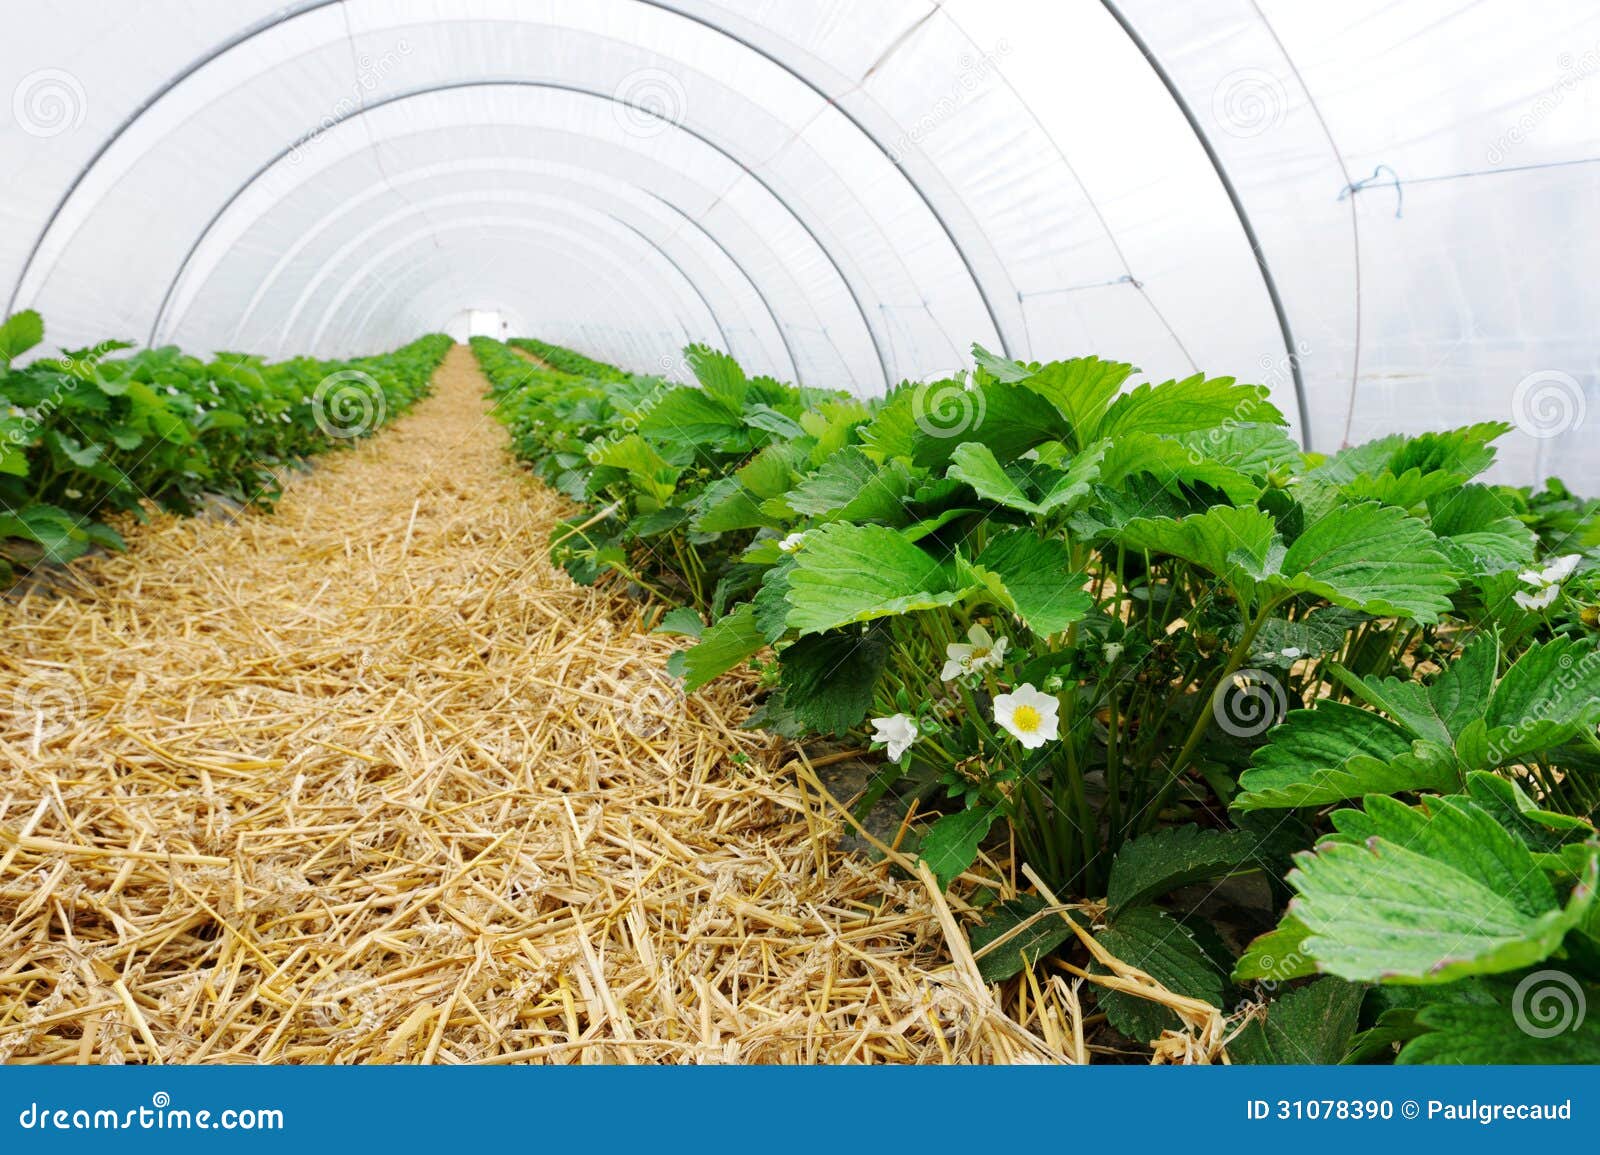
366,779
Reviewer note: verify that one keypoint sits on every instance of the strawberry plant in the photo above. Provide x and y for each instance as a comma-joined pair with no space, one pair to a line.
1139,638
91,433
568,361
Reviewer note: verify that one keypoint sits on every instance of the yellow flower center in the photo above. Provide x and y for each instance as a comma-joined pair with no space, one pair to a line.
1026,719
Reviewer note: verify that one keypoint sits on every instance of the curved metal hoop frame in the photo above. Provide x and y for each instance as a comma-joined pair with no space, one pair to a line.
305,7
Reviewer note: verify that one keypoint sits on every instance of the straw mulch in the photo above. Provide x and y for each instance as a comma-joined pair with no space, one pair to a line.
366,780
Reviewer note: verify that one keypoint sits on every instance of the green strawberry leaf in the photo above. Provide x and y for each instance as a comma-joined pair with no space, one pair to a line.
951,844
1429,894
680,620
1172,462
692,416
1045,934
722,647
853,573
1312,1024
1188,406
1548,696
1372,558
1162,947
849,486
21,332
828,678
59,533
1277,956
1153,864
974,463
1232,543
1081,390
1538,1019
1001,368
1335,752
727,505
1032,576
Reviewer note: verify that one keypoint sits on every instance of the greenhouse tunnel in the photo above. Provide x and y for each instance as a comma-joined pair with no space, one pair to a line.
801,532
842,195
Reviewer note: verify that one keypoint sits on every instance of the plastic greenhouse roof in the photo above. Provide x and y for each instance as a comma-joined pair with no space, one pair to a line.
1384,211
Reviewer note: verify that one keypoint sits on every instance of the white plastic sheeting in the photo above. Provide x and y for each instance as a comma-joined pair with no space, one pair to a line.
843,192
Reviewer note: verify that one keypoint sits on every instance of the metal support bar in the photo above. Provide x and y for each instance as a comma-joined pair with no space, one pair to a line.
1239,211
715,320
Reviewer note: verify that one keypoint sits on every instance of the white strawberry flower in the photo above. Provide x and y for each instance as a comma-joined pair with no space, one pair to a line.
793,542
1538,600
978,652
897,732
1027,715
1546,582
1553,574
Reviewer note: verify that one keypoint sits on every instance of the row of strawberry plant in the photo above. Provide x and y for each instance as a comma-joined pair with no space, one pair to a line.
568,361
1143,636
89,433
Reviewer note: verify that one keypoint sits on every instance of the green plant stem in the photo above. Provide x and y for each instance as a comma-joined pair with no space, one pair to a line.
1202,720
